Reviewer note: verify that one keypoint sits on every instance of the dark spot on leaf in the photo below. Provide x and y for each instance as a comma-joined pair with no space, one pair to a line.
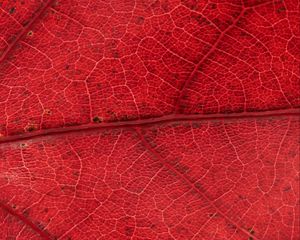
76,173
139,20
25,23
281,9
213,215
165,6
242,197
97,119
68,124
124,118
30,128
251,231
212,6
46,210
152,226
198,185
231,226
23,145
129,231
48,112
235,14
182,230
12,10
26,213
238,23
250,238
243,34
292,153
11,38
191,4
67,67
99,86
40,225
68,189
183,168
14,206
30,34
229,22
175,75
116,54
200,20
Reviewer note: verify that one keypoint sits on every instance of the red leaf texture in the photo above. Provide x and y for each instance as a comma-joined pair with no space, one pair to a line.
149,119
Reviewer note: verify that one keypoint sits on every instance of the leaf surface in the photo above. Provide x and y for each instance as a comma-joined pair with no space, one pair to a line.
149,119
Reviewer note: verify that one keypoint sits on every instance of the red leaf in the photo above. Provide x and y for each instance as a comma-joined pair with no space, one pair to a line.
161,119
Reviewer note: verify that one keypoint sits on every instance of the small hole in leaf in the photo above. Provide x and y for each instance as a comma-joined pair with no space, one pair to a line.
97,119
48,112
30,33
23,145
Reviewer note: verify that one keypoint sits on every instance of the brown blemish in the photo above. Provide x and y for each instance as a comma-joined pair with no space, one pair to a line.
30,128
213,215
23,145
12,10
97,119
30,34
48,112
251,231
